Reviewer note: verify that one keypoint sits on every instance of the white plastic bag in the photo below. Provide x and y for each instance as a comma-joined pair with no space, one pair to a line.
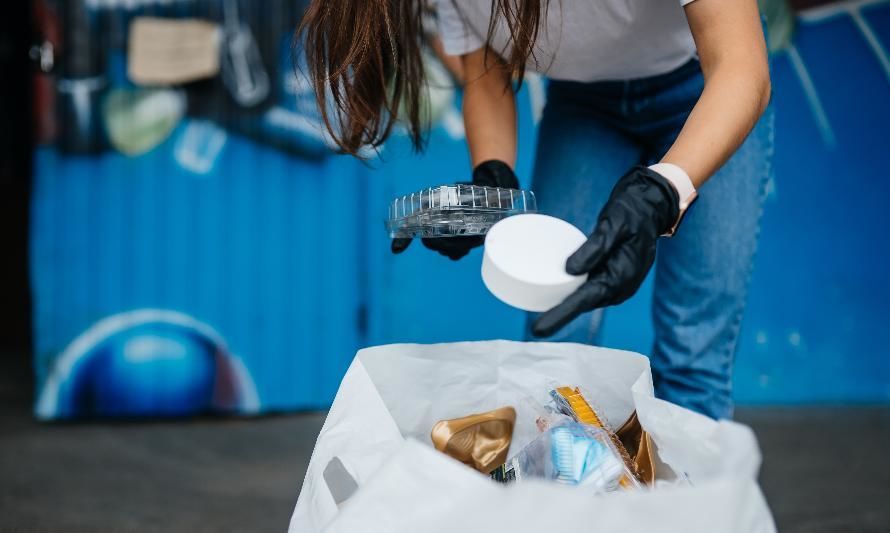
377,435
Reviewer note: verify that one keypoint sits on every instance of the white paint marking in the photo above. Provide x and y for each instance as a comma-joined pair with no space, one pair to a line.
453,122
821,13
809,90
872,40
761,337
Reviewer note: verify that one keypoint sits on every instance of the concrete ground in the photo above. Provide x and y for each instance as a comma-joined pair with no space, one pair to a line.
825,470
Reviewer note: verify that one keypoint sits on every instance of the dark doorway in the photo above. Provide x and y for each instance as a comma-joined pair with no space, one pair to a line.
16,144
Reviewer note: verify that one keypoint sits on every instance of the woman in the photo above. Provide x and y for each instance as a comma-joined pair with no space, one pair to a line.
651,104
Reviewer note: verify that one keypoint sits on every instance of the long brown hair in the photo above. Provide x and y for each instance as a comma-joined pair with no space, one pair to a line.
365,55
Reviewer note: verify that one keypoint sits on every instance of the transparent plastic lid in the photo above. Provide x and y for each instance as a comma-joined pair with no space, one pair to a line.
454,210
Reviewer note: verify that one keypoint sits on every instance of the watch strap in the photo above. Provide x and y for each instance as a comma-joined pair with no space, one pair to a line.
681,182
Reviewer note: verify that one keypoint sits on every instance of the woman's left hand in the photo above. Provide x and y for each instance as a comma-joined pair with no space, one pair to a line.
621,250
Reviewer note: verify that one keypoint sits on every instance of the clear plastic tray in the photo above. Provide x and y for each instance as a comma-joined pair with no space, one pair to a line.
455,210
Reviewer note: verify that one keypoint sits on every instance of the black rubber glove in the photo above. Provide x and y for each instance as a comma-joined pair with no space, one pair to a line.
621,250
491,173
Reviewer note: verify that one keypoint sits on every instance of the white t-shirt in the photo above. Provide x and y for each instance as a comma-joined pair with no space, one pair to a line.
583,40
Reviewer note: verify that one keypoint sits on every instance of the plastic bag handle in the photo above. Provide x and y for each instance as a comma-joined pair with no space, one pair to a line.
340,482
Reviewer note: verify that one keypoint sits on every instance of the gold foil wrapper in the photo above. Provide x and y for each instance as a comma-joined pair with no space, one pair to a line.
480,441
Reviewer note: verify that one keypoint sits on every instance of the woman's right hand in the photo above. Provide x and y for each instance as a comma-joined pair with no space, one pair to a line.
489,110
492,173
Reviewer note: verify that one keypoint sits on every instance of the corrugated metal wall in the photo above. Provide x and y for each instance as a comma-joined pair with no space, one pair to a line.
239,223
235,216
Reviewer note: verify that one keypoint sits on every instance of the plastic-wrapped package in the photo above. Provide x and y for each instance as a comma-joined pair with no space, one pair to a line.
583,455
573,454
574,403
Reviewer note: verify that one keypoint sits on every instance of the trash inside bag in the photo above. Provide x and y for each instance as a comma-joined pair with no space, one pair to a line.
480,441
571,454
388,477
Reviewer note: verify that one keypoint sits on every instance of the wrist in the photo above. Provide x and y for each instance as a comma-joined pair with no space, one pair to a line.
679,179
682,184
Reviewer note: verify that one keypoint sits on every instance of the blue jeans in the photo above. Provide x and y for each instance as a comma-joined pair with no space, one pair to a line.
590,134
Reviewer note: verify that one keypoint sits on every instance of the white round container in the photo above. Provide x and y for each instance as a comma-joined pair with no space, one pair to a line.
524,263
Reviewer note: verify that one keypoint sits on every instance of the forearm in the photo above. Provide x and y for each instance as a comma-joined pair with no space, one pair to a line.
729,107
730,44
489,110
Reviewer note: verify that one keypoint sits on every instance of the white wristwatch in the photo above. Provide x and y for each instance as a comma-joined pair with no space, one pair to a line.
682,184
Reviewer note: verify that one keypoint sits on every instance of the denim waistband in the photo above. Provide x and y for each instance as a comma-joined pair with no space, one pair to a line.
633,87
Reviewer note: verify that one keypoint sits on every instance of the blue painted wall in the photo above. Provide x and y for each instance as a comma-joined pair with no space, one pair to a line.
282,252
254,251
